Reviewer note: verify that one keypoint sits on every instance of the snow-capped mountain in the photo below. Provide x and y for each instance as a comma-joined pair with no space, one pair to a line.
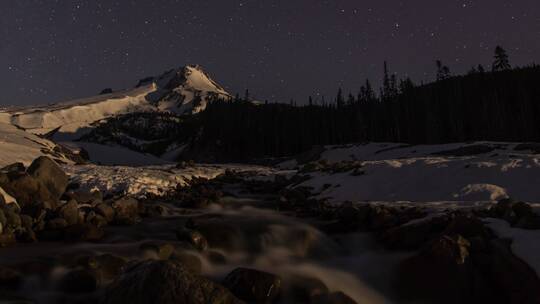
186,90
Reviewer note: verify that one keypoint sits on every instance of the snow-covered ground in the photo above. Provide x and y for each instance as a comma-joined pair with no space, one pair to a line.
17,145
158,180
422,174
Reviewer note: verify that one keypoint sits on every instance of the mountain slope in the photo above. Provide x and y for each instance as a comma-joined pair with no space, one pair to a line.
20,146
185,90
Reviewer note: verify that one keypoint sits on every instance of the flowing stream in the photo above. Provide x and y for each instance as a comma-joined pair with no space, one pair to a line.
242,232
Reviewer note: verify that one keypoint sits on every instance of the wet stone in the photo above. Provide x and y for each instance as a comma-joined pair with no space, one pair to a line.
253,285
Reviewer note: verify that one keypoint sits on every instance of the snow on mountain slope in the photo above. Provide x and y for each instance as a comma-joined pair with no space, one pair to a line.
451,172
17,145
186,90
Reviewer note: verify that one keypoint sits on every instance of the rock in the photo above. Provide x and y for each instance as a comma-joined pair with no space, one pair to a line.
26,235
83,232
7,238
353,217
48,173
78,281
15,167
69,212
10,279
192,237
126,210
96,220
85,197
8,200
28,191
412,236
164,282
160,251
522,209
467,226
442,272
106,211
13,220
110,266
253,286
189,260
503,209
333,298
513,279
301,289
382,218
56,224
26,221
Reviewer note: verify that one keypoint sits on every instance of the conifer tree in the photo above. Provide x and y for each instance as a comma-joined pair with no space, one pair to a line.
501,62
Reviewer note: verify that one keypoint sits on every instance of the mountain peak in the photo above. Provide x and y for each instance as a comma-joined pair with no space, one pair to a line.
184,90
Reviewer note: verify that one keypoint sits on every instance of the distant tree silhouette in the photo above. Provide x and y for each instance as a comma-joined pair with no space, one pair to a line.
501,62
443,72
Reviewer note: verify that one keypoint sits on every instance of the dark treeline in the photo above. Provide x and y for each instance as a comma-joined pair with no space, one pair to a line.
500,105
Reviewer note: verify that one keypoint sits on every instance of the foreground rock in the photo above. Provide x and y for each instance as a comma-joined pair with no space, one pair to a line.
165,282
253,286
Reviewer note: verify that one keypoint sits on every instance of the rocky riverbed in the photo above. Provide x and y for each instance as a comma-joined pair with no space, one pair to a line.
239,239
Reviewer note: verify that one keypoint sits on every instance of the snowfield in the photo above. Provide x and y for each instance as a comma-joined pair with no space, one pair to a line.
17,145
393,172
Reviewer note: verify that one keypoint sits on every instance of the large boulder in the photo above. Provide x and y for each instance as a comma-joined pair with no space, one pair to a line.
49,174
164,282
515,281
69,212
27,190
253,286
126,210
441,272
413,235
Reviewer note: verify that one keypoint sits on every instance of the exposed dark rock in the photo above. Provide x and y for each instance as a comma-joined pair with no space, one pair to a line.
189,260
441,272
412,236
85,197
192,237
164,282
15,167
126,211
253,286
27,190
301,289
106,211
69,212
514,281
49,174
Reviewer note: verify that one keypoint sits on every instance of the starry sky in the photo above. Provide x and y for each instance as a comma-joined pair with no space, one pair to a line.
55,50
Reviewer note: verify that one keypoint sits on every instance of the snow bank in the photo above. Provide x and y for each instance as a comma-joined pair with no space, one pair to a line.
17,145
416,174
140,181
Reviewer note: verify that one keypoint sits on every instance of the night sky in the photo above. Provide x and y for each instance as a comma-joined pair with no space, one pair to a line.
54,50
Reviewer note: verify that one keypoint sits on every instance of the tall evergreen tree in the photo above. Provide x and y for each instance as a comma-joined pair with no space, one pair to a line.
501,62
